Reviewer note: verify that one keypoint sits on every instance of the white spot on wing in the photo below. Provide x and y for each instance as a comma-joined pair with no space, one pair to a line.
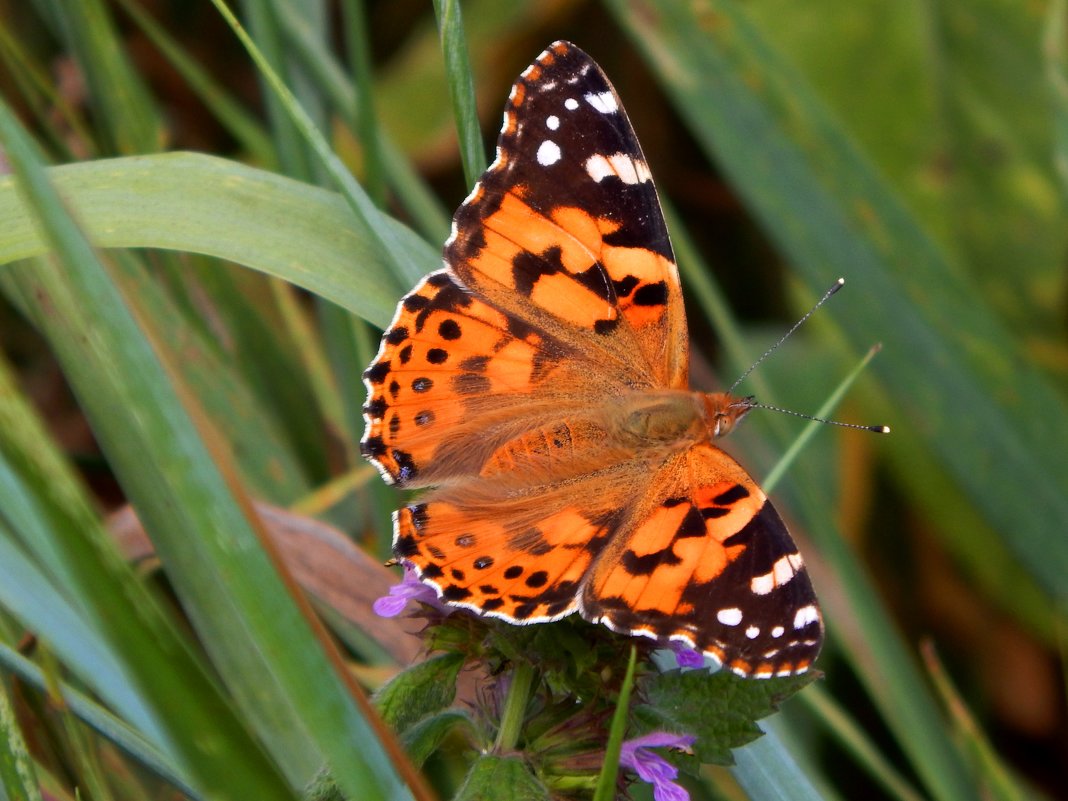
752,632
548,153
629,170
805,615
778,631
762,585
552,122
784,569
598,167
730,617
571,104
604,102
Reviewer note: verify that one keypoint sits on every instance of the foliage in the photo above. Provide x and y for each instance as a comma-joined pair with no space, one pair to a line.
917,150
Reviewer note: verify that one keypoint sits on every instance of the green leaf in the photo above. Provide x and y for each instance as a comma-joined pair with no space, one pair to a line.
33,599
198,724
494,778
461,88
719,708
1056,53
201,204
120,97
767,771
133,743
426,736
288,684
419,691
17,777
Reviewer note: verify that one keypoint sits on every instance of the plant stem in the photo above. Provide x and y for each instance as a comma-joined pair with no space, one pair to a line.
515,705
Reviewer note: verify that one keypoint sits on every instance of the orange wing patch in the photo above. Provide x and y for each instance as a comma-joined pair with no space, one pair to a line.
520,567
445,354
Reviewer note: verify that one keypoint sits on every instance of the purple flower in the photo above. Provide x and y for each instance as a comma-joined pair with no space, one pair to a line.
409,589
652,767
687,657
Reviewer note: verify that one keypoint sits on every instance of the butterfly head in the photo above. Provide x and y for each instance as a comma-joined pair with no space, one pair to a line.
724,411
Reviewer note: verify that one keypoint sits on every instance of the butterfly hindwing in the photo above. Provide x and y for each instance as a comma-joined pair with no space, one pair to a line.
709,562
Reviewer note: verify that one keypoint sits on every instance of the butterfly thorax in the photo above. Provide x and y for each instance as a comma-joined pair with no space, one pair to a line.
590,439
674,417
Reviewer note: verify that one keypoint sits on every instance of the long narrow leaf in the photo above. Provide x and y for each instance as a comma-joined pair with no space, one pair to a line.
183,700
201,204
17,778
247,616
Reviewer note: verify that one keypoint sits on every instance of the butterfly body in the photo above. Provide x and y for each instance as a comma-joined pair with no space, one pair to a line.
538,385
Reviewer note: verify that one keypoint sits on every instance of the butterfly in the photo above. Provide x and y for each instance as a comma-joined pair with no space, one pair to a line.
538,384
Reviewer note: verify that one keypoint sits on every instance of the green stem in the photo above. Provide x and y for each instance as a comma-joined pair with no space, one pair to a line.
515,707
606,781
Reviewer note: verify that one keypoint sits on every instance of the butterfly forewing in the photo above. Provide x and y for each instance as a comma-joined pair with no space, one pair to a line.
565,230
539,383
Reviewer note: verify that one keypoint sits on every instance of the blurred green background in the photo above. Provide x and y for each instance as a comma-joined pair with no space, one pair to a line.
920,150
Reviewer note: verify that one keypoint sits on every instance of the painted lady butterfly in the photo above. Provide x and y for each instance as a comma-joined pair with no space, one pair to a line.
540,383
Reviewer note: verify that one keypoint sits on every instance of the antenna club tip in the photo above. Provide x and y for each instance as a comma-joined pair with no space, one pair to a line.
881,429
841,281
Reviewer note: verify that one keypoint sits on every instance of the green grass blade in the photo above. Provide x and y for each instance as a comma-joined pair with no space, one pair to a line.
17,779
251,412
28,594
767,771
810,429
366,124
200,728
461,85
999,784
235,119
124,106
386,242
383,155
857,742
1056,53
130,741
606,781
293,155
201,204
256,629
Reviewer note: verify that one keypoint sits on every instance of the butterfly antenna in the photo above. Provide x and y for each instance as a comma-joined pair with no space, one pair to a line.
826,296
876,429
